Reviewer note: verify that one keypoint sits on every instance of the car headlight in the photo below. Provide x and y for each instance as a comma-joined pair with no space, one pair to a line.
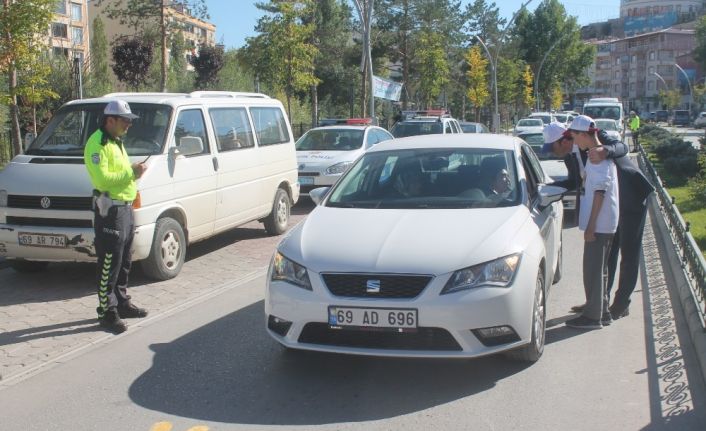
283,269
496,273
338,168
3,198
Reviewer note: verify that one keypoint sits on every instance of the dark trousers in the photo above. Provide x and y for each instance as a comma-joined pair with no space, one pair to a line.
627,241
595,275
114,234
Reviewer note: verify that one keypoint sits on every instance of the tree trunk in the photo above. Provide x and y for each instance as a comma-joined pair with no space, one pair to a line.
14,112
163,31
314,106
364,92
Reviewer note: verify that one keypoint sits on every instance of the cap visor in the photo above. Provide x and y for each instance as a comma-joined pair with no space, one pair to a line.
129,116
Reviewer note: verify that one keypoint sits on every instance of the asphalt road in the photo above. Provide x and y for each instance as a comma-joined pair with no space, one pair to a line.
213,365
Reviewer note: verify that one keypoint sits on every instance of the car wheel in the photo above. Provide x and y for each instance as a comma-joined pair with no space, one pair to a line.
533,351
559,263
27,266
168,250
276,222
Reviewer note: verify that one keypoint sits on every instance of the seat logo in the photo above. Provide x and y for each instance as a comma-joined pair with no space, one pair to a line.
372,286
45,202
301,167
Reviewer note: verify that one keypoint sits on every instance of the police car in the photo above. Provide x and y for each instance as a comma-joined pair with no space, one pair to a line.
324,153
428,122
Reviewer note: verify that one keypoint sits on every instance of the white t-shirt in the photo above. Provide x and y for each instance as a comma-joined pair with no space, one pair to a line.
601,176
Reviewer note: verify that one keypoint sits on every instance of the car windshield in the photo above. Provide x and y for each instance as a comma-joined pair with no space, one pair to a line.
469,128
530,122
611,112
561,117
430,179
606,125
402,129
546,119
331,140
67,133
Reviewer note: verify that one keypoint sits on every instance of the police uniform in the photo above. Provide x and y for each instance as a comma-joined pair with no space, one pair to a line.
112,177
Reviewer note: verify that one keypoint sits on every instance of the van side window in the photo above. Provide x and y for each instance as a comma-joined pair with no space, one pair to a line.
190,124
270,126
232,128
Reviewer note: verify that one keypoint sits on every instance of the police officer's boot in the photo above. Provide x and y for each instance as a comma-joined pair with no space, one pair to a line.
112,322
128,309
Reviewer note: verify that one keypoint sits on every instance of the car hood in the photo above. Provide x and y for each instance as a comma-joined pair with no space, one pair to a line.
422,241
315,159
52,177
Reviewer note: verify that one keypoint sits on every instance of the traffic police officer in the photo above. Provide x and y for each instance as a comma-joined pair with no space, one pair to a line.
113,178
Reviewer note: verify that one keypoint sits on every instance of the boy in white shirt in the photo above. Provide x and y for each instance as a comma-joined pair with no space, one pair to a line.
598,218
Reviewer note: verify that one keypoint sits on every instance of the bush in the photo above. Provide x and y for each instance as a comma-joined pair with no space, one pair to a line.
697,184
677,158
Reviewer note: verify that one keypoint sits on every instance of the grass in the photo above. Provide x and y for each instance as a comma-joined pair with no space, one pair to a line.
691,212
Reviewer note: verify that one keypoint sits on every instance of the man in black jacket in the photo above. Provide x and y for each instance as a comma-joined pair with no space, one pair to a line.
634,188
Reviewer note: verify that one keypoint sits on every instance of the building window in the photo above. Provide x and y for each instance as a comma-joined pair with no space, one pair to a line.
651,70
59,51
77,35
652,55
617,74
59,30
76,12
632,87
633,59
616,87
61,7
617,61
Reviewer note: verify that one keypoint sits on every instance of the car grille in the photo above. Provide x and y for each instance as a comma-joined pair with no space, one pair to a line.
390,286
436,339
56,202
51,222
308,174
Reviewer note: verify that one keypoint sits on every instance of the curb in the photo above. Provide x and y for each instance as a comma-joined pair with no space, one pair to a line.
679,285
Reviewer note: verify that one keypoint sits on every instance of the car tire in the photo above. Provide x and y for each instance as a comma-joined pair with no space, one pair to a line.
27,266
276,222
167,252
559,264
533,351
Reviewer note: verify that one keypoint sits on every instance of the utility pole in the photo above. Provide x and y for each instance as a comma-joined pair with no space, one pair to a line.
365,13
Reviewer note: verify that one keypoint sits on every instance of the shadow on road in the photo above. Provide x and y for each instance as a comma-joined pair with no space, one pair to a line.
47,331
232,371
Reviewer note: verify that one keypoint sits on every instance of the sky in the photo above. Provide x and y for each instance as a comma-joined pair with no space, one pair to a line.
235,19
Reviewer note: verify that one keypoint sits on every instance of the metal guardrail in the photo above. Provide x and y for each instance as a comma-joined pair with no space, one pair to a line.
692,260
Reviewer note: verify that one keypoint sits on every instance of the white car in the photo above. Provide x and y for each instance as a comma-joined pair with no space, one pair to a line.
610,126
428,246
526,125
324,153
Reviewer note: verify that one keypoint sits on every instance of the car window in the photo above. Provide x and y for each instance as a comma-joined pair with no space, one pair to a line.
535,165
447,127
232,128
456,127
606,125
429,178
270,126
402,129
469,128
190,123
382,135
530,123
331,139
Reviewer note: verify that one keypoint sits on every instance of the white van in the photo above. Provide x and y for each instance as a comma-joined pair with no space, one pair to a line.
606,107
216,160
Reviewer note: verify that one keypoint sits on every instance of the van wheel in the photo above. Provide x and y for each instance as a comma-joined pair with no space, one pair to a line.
276,222
27,266
168,249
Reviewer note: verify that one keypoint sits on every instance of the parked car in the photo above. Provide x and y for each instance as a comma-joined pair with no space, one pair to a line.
324,153
563,117
425,123
428,246
700,120
546,117
680,118
469,127
216,160
661,116
554,167
610,126
650,117
528,125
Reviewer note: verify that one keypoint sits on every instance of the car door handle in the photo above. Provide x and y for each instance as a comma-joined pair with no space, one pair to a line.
215,163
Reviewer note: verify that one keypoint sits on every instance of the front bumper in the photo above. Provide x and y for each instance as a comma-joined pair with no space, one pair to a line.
445,322
308,183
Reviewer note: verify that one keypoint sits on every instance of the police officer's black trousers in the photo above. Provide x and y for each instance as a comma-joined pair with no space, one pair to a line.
627,241
114,234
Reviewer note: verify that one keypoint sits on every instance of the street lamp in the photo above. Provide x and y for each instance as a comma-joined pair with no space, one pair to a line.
691,91
494,63
539,70
661,79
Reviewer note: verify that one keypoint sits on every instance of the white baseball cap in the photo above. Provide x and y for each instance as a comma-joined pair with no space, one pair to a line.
552,132
583,123
119,108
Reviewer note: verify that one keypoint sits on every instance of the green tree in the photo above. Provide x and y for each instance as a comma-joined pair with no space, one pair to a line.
670,98
142,14
527,88
23,25
132,58
477,76
283,54
433,67
233,77
207,64
179,79
700,48
98,79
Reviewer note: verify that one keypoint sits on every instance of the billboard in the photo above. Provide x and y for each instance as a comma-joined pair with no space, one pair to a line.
647,23
386,89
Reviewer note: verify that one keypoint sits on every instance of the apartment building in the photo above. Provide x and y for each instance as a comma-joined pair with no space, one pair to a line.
69,32
194,30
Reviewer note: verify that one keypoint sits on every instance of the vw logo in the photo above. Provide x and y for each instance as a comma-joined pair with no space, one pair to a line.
45,202
372,286
301,167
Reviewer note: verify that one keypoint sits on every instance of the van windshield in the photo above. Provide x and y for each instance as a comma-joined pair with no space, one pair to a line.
67,133
612,112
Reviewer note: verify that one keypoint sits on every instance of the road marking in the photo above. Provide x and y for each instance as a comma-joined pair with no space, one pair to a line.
167,426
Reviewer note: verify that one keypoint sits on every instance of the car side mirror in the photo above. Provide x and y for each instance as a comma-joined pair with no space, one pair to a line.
188,145
318,194
549,194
